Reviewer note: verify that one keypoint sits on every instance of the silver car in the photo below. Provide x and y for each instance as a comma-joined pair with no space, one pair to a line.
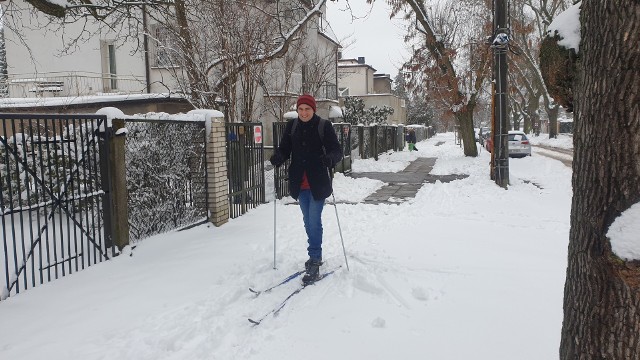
519,145
483,134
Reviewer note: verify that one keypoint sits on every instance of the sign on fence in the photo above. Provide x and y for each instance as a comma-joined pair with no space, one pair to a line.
257,134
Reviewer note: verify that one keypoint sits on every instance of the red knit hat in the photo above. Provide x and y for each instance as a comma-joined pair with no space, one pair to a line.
307,100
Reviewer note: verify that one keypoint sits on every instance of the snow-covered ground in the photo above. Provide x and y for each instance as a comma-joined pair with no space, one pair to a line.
562,141
465,270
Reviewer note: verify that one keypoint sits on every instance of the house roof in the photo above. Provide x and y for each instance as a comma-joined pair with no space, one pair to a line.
88,103
345,63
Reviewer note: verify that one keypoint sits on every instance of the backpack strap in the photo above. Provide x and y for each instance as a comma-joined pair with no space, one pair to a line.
321,130
293,127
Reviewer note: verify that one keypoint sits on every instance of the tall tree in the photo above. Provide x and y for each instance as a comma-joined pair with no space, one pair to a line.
4,86
530,21
602,291
400,87
451,62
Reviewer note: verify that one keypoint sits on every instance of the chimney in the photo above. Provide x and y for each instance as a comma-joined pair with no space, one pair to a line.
361,60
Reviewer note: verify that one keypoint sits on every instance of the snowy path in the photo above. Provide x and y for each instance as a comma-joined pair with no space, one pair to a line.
465,270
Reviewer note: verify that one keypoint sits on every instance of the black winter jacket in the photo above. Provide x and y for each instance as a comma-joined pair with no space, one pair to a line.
304,147
411,137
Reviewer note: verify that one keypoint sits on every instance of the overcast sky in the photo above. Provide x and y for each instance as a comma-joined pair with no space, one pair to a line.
376,37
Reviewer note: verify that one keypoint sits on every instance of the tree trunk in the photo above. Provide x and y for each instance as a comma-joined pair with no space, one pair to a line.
464,118
552,113
533,104
602,291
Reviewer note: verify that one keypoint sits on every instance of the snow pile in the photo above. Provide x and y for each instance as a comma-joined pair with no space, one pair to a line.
563,141
567,26
625,234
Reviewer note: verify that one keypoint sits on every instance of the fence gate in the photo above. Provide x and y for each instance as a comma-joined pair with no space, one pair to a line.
53,172
245,167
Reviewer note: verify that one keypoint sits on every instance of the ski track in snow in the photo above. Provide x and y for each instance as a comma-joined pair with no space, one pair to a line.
449,274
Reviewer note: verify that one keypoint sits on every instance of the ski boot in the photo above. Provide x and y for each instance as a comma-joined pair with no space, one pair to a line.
312,272
306,263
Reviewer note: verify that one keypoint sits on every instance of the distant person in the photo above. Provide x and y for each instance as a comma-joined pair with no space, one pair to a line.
411,140
313,147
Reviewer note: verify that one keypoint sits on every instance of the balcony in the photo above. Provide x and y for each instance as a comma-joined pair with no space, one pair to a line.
70,84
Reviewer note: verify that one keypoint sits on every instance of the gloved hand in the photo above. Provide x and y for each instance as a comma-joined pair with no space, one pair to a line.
276,159
327,161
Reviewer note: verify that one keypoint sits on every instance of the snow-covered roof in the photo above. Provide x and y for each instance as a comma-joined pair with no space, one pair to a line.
74,100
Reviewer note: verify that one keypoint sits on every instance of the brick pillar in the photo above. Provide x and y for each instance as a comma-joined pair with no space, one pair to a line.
217,183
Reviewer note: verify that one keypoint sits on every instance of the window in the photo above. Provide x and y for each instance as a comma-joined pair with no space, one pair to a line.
112,66
166,48
109,69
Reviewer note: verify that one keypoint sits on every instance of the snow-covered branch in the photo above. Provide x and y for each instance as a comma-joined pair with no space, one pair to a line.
278,52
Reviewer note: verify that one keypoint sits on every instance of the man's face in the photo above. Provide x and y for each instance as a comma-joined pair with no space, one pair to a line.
305,112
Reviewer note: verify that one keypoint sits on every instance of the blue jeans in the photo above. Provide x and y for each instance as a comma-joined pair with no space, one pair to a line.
312,216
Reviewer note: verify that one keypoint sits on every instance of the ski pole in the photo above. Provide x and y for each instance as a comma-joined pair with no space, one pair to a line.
335,206
275,200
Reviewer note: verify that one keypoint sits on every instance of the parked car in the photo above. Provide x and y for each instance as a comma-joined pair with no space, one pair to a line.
519,145
483,134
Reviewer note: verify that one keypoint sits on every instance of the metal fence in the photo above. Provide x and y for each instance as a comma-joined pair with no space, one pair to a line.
422,132
166,175
343,131
245,167
53,172
378,139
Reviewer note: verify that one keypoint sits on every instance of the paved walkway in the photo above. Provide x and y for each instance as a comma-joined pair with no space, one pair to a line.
404,184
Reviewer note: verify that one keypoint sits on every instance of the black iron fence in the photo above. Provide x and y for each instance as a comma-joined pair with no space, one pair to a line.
343,131
166,175
53,177
422,132
245,167
378,139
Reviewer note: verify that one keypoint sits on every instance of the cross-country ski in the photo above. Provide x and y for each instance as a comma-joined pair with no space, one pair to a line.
286,280
282,304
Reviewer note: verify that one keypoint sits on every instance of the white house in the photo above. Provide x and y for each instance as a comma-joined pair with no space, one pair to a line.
39,65
43,63
358,79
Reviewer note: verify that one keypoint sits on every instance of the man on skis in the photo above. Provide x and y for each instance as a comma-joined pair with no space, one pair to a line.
313,147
